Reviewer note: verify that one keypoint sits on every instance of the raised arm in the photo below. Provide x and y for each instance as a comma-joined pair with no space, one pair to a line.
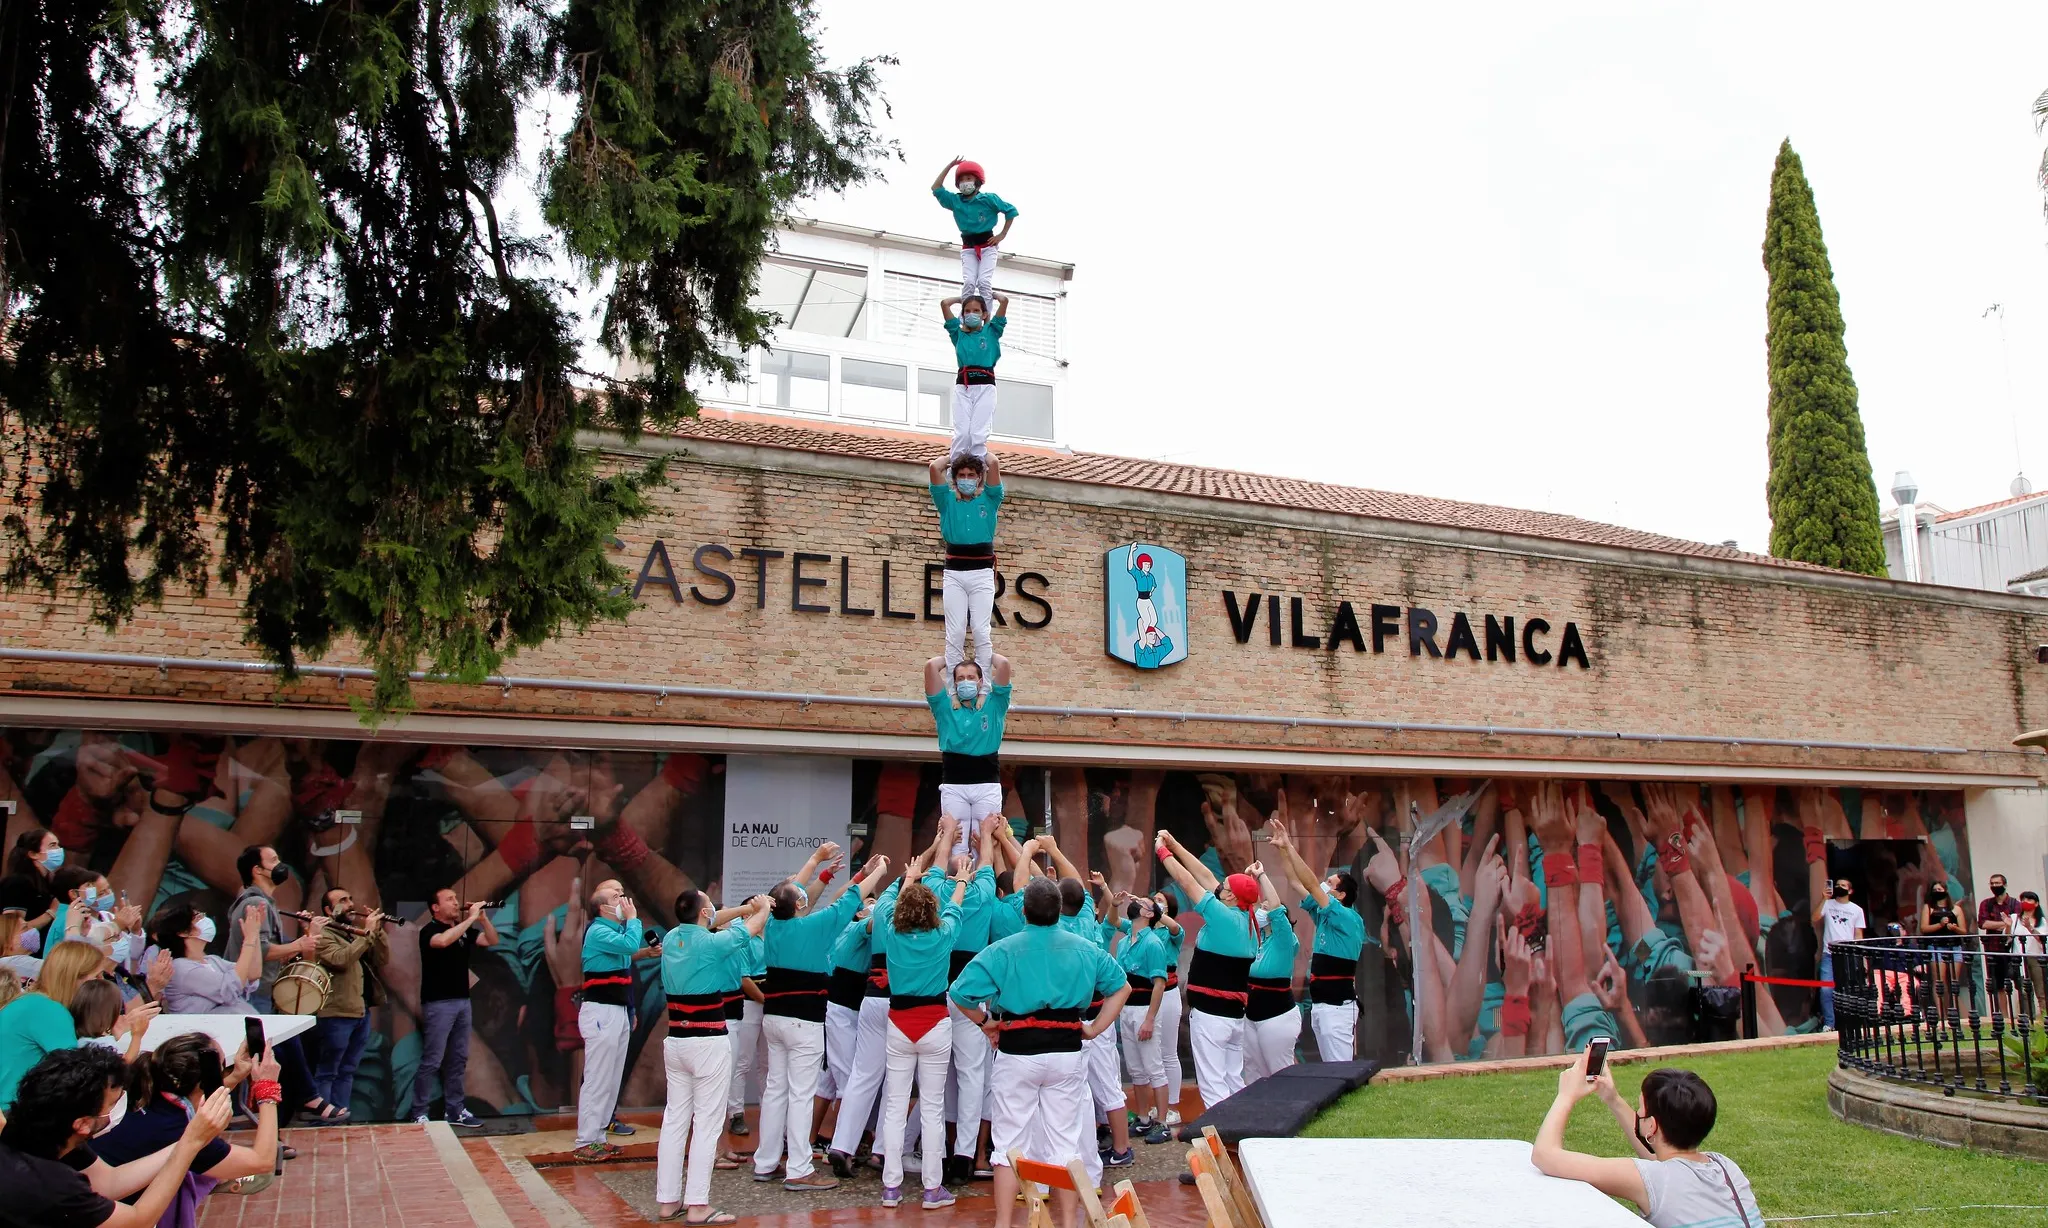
998,669
1190,885
1278,836
935,676
1059,859
946,306
1204,880
939,180
995,466
1002,300
937,470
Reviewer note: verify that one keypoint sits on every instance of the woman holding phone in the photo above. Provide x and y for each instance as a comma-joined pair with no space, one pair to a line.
164,1090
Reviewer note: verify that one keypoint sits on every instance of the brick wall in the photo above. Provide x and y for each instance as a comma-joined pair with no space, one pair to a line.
1673,645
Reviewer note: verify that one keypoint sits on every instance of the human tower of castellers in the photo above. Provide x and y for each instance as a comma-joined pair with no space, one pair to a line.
987,982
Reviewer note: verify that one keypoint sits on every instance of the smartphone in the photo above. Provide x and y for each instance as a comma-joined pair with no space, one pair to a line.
252,1036
210,1073
1596,1056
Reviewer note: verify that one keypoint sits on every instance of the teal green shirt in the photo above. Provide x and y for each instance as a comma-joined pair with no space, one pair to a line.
980,347
967,522
695,960
920,960
1007,918
608,946
1044,966
31,1027
975,214
1226,930
850,949
1277,950
1143,954
805,944
971,731
977,911
1340,931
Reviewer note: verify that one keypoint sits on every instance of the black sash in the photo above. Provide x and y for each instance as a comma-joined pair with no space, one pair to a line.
911,1001
958,961
976,375
1216,983
1141,990
849,986
735,1004
1332,981
696,1014
970,556
980,238
1268,997
609,987
794,994
877,985
959,769
1051,1030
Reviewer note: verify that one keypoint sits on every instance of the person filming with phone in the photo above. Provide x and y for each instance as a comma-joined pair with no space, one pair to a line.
1670,1179
165,1091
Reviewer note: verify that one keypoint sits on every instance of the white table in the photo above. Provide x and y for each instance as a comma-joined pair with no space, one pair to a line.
226,1030
1416,1183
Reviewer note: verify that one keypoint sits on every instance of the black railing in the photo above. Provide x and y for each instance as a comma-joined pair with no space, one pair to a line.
1956,1014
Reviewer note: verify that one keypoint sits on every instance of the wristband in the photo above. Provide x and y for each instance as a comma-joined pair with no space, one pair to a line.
520,850
1514,1015
621,848
896,791
568,1031
266,1091
437,757
1163,853
1592,866
1396,896
1560,870
1816,846
683,773
825,876
1672,857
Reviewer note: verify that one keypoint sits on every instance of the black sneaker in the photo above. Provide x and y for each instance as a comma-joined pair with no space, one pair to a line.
737,1127
842,1164
958,1169
1119,1159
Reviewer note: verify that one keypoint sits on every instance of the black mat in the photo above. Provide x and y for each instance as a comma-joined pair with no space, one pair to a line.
1279,1105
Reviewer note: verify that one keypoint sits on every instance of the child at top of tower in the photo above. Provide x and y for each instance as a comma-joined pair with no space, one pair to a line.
975,211
977,347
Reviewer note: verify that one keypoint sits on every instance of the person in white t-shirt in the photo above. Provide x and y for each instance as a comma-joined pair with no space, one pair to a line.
1840,921
1671,1180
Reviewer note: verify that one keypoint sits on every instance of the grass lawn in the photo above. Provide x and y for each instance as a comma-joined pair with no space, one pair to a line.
1774,1122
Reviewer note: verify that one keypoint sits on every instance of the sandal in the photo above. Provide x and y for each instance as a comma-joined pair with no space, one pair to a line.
324,1113
727,1161
288,1151
715,1217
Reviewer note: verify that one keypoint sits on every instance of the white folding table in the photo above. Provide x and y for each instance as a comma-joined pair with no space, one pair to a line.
1416,1183
226,1030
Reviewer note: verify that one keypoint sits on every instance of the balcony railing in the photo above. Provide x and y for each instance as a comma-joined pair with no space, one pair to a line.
1957,1014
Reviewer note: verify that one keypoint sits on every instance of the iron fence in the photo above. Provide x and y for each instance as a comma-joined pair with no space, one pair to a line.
1958,1014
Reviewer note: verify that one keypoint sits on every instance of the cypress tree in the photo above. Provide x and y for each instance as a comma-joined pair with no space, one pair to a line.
1822,498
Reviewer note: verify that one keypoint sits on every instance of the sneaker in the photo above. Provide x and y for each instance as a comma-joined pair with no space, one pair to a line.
420,1120
470,1121
811,1184
737,1127
956,1170
936,1197
1142,1125
892,1195
984,1171
1173,1117
767,1176
1159,1134
592,1153
617,1127
1120,1159
842,1164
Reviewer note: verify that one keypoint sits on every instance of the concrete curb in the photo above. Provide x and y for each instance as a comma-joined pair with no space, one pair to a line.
2016,1130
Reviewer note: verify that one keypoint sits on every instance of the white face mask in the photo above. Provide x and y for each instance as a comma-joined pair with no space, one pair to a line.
204,930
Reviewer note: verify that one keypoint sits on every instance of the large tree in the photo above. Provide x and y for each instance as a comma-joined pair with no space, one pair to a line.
1822,498
266,327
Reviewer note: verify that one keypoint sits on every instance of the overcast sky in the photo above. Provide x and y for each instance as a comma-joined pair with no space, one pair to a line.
1505,253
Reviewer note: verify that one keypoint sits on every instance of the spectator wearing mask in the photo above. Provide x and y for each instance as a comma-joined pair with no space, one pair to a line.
29,884
165,1090
49,1172
77,893
102,1019
1941,924
1840,921
262,874
1994,920
344,1026
39,1023
1670,1180
450,934
2030,942
15,939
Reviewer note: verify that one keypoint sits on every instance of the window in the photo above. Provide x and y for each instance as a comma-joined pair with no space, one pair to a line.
710,386
791,379
827,300
1023,409
873,389
935,398
910,312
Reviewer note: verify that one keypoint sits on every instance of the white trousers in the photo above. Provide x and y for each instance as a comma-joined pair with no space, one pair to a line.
970,596
1142,1056
974,419
971,1054
606,1029
1269,1044
698,1068
970,804
1105,1080
842,1026
978,272
746,1048
1148,616
1167,1030
1218,1042
1039,1106
796,1051
857,1095
1336,1029
924,1059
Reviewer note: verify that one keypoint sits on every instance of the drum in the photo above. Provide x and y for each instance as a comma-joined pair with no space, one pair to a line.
301,989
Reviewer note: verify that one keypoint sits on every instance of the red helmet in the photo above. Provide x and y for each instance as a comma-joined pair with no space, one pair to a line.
1143,559
970,168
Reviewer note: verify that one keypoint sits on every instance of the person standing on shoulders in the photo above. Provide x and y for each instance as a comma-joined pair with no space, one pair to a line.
967,502
970,708
451,933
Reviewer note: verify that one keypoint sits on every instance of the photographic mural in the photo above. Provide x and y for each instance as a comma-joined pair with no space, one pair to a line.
1676,888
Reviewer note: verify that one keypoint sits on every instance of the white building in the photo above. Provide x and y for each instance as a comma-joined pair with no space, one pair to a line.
1999,547
861,340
